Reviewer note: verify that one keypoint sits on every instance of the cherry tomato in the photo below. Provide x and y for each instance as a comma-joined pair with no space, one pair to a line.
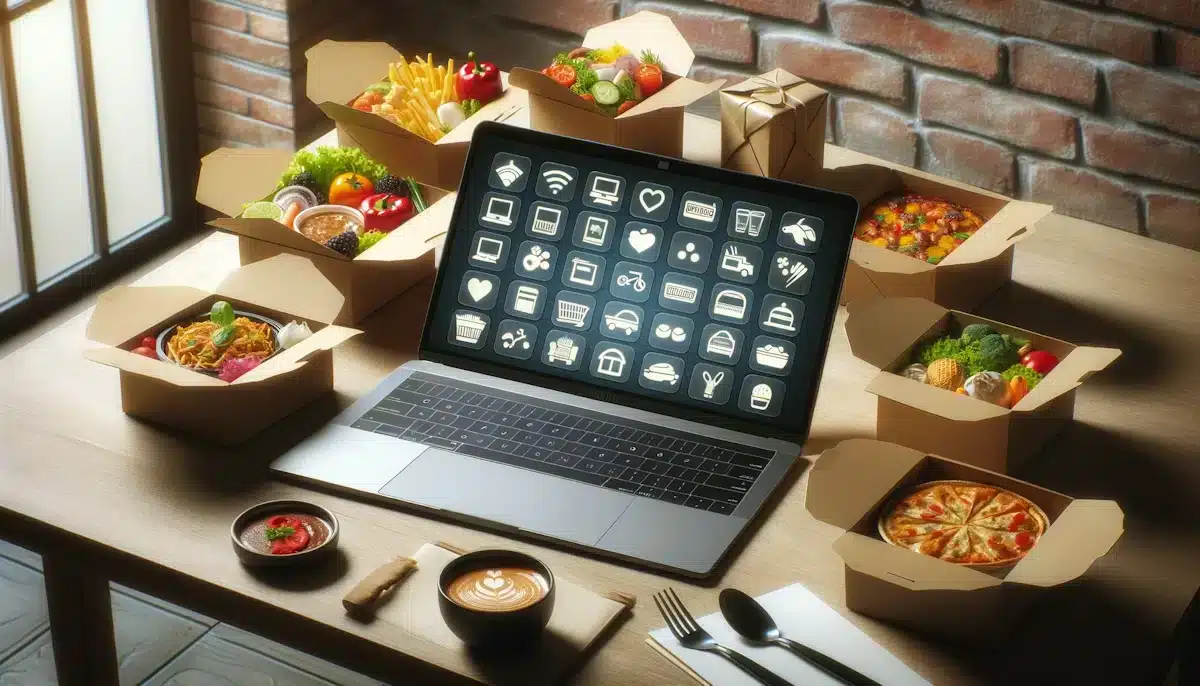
626,106
350,189
563,74
149,342
1023,540
145,351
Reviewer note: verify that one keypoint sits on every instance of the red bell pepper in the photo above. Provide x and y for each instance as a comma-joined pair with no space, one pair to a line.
385,211
478,81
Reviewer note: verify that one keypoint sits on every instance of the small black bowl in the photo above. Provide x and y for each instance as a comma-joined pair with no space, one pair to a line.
479,628
166,334
254,558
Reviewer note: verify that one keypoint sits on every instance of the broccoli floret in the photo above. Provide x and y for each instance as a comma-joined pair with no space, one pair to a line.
1031,377
995,354
941,348
975,332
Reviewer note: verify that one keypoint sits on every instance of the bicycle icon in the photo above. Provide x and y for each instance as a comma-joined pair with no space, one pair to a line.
632,278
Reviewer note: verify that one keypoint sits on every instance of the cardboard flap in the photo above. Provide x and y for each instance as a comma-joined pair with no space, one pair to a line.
272,231
297,356
866,182
499,110
906,568
286,283
879,330
679,93
846,480
127,311
157,369
934,400
416,236
539,84
1011,225
348,115
229,177
339,71
1070,372
1084,532
646,31
879,259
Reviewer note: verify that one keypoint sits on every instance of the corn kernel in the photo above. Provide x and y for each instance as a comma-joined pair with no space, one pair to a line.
946,242
907,239
935,251
881,242
912,208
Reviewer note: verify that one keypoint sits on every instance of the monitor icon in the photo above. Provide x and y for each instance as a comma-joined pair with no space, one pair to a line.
499,211
605,190
545,220
488,250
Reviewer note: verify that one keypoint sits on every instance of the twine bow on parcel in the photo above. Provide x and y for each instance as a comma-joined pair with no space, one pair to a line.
754,103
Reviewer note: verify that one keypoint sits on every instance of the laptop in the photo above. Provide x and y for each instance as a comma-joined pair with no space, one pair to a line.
629,368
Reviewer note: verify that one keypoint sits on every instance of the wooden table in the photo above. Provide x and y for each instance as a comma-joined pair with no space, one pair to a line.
106,497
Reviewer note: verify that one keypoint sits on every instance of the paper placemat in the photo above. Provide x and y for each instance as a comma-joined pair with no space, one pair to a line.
802,617
580,617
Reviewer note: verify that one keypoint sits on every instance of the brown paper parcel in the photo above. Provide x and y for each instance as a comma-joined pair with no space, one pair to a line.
884,332
851,483
653,125
230,177
284,288
774,125
982,264
338,72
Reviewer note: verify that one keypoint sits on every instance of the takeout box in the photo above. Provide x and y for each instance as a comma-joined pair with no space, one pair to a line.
849,486
231,177
884,332
965,277
339,71
773,125
653,125
284,288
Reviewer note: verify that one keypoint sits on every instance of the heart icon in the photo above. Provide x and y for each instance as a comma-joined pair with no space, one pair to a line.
479,288
642,240
648,194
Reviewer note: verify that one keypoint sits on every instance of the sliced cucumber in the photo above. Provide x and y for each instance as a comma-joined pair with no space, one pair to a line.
606,93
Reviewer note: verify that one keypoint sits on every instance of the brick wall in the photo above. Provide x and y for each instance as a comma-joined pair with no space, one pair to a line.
1090,105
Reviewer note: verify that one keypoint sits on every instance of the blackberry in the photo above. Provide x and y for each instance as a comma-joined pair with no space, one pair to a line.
345,242
392,184
309,181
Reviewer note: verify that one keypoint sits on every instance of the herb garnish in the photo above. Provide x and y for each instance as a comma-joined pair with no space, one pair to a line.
222,315
276,533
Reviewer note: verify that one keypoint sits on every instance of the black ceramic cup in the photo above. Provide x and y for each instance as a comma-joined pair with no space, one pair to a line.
491,628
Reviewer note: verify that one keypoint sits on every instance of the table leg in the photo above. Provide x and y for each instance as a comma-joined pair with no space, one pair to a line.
81,624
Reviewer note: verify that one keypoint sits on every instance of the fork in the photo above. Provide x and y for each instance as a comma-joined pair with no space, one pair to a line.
692,635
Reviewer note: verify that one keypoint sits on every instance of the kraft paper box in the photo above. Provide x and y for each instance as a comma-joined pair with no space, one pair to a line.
338,72
967,276
230,177
884,333
850,484
653,125
774,125
283,288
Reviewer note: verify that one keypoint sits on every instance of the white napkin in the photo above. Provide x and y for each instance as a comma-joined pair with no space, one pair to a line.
804,618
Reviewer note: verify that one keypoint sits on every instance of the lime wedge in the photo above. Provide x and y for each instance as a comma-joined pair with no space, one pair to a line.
263,209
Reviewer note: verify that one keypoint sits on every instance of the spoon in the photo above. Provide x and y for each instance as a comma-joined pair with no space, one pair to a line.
751,620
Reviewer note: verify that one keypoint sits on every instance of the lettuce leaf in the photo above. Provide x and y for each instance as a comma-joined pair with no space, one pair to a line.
325,163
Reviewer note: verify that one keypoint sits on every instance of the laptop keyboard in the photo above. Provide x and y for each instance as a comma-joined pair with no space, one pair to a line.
568,442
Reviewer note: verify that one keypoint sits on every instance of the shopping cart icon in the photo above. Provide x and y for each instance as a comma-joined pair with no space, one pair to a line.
572,313
748,222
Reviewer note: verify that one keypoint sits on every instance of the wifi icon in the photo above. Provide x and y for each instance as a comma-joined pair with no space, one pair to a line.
557,181
509,173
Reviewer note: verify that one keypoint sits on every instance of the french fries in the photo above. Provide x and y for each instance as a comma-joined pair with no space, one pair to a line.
419,87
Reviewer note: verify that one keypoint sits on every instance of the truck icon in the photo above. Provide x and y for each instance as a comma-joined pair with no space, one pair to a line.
733,261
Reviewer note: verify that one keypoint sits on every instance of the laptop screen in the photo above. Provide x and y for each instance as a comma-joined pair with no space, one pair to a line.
642,280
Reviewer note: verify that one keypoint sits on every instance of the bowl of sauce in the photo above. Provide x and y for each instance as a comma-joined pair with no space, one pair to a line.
496,597
323,222
283,533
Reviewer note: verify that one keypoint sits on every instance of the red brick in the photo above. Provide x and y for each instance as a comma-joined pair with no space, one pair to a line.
222,97
1154,98
1013,118
221,124
803,11
274,29
707,73
1142,153
219,14
933,42
1077,192
241,45
245,77
1130,40
1185,50
822,60
1172,218
572,16
1182,12
719,35
272,112
876,130
970,160
1045,69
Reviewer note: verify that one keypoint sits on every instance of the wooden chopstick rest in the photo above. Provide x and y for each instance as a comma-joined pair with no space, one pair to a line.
362,598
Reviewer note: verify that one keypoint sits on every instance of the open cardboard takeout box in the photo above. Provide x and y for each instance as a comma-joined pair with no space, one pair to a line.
653,125
284,288
976,268
338,72
851,483
884,332
231,177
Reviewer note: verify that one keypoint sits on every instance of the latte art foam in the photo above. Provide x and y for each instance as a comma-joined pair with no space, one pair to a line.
498,590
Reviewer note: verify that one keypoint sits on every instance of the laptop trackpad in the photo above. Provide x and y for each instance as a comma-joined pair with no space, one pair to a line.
537,503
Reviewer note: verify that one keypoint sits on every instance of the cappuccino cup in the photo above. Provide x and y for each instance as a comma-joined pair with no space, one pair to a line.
496,597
